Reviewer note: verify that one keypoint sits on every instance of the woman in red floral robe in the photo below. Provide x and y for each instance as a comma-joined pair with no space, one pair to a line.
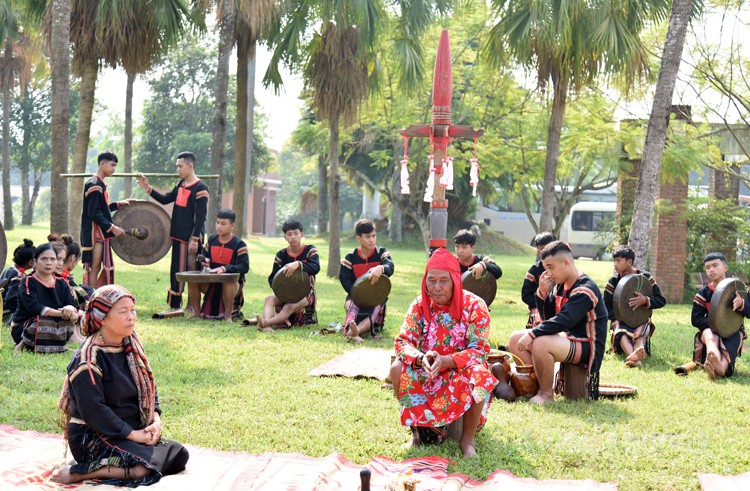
441,370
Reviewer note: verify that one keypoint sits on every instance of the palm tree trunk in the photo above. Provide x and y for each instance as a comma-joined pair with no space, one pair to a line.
243,139
218,140
656,135
128,184
547,218
81,146
334,220
60,72
24,163
322,194
7,84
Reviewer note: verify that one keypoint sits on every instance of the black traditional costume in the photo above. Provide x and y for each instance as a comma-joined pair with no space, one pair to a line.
618,328
352,267
96,228
233,257
730,347
489,265
30,324
188,225
10,291
580,314
109,391
528,292
310,262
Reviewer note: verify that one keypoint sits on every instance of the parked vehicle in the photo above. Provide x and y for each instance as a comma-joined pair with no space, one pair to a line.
589,228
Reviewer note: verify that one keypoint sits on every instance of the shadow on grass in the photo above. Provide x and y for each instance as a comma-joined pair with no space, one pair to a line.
602,411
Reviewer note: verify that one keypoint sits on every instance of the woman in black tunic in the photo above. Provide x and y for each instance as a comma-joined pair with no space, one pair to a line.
112,416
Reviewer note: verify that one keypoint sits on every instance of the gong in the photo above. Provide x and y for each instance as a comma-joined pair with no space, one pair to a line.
201,277
3,247
485,287
291,289
722,318
626,289
366,295
147,228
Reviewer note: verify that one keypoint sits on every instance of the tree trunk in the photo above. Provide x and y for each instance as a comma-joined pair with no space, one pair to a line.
81,146
334,219
35,193
396,225
25,164
243,140
547,218
7,84
656,135
60,73
128,157
322,194
218,140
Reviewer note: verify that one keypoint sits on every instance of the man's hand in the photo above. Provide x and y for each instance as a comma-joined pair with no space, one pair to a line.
192,247
524,344
117,231
478,270
545,283
290,268
375,274
738,303
143,182
220,269
639,300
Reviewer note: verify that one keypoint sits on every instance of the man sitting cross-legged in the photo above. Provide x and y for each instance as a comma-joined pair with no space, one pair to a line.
225,253
715,353
574,325
296,256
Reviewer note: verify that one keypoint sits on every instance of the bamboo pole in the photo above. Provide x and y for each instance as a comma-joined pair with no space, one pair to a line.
136,174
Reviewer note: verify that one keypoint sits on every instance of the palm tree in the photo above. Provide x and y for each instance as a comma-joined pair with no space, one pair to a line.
9,68
570,44
656,135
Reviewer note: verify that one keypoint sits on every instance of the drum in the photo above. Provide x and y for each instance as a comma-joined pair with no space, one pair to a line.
722,318
485,287
291,289
626,289
366,295
201,277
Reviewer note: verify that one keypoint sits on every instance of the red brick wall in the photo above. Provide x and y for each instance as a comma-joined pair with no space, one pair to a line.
668,244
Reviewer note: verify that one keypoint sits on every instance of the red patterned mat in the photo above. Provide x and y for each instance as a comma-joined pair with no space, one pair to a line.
27,459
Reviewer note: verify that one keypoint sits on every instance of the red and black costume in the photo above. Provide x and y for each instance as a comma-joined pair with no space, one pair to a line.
579,313
310,262
233,257
730,347
489,265
188,225
528,292
96,228
354,266
619,329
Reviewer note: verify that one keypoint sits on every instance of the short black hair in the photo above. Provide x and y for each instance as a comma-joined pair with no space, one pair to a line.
24,253
227,213
106,156
713,256
624,251
291,225
465,236
186,156
555,248
364,226
544,238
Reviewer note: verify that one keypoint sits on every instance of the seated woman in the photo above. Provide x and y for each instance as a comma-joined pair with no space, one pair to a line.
23,260
71,253
46,315
110,404
441,372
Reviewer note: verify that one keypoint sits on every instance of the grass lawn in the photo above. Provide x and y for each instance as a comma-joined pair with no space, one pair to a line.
232,388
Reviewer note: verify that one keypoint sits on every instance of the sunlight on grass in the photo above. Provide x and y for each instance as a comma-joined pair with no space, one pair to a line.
232,388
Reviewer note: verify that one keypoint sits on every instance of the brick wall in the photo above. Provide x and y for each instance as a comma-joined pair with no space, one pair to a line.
668,247
722,185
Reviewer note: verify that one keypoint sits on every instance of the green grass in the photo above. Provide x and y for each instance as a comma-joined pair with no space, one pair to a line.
232,388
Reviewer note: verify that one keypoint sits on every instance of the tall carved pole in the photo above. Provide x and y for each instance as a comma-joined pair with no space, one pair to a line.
441,133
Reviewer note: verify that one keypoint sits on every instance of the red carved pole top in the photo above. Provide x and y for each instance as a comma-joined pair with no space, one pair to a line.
442,83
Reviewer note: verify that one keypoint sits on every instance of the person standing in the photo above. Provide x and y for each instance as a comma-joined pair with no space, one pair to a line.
190,198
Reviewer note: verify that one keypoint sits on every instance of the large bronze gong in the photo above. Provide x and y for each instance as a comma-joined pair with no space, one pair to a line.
291,289
147,228
3,247
722,318
366,295
485,287
626,289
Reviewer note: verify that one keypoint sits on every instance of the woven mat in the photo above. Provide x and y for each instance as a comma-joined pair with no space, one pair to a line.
715,482
363,362
27,459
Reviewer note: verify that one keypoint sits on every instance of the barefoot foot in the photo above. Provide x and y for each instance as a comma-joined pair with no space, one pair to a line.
63,476
633,364
540,398
637,355
469,450
716,364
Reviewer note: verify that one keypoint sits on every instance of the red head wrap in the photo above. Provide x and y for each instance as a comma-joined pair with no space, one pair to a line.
443,260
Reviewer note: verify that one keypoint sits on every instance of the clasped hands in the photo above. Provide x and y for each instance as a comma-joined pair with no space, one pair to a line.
149,435
433,363
70,313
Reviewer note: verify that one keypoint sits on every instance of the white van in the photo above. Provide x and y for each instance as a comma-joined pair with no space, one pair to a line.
589,228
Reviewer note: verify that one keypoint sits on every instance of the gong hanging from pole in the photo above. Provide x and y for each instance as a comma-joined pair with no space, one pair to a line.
147,228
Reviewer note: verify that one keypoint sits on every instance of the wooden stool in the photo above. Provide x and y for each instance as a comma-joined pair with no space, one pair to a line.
575,381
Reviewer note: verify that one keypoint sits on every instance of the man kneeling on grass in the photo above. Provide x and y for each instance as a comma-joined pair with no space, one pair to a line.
224,253
574,325
440,373
716,354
